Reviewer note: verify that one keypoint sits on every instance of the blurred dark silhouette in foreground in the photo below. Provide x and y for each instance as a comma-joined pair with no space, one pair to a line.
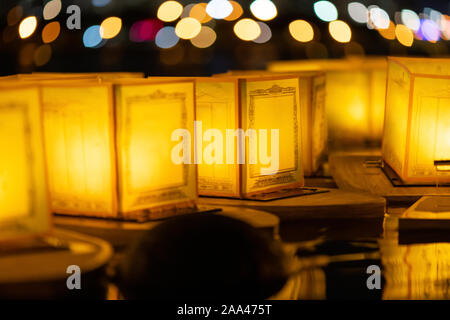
202,256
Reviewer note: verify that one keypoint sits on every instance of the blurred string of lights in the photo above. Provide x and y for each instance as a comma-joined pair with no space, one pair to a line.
195,22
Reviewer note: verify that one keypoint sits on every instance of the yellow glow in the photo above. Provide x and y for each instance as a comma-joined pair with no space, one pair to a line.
247,29
110,27
404,35
23,200
146,180
51,32
355,97
188,28
415,272
169,11
216,107
27,27
205,38
301,30
388,33
218,102
340,31
237,11
199,12
413,154
89,161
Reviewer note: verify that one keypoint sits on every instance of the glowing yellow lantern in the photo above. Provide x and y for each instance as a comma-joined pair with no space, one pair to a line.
259,119
416,141
109,148
313,115
23,191
355,97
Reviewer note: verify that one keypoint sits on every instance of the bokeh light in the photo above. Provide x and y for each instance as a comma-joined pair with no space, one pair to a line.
27,27
404,35
42,55
266,33
145,30
26,54
188,28
388,33
169,11
237,11
219,9
301,30
247,29
14,15
110,27
340,31
51,32
100,3
52,9
353,49
166,38
410,19
264,9
199,12
379,18
91,37
430,30
358,12
205,38
325,11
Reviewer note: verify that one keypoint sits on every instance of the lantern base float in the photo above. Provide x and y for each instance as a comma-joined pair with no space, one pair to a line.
332,204
121,233
43,263
429,213
363,172
283,194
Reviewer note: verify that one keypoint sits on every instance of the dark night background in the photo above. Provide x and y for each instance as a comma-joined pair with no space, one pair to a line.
228,52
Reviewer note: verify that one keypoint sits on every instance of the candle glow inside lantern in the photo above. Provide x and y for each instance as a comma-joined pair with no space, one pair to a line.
355,97
416,142
109,148
24,210
264,164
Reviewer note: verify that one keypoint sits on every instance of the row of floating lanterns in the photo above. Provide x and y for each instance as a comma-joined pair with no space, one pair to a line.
195,22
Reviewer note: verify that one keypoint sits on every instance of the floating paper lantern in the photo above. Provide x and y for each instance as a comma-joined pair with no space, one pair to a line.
313,120
23,190
109,148
416,141
260,119
355,96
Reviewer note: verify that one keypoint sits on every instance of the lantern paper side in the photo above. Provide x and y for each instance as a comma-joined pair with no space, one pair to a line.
319,129
147,116
78,122
217,108
23,190
272,104
396,117
429,130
